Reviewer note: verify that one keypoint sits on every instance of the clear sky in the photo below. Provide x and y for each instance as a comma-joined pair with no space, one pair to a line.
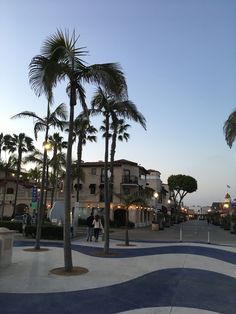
179,58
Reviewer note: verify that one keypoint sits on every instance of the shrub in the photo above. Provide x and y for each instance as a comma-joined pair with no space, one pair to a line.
226,222
12,225
49,232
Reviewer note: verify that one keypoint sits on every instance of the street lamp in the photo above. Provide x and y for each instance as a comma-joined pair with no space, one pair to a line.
156,195
47,145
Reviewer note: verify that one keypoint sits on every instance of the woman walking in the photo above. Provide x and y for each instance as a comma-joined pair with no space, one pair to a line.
97,227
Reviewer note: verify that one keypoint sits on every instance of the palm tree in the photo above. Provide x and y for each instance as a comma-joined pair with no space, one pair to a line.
84,131
112,108
37,157
230,129
58,159
35,174
118,129
20,144
61,60
55,119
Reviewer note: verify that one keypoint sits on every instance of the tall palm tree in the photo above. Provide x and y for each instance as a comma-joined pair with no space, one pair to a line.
112,108
118,129
230,129
55,119
61,60
84,131
20,144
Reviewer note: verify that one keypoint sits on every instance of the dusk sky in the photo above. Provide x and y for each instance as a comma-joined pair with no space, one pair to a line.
179,59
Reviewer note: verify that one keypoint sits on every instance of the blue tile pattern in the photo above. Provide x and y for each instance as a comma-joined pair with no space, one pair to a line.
179,287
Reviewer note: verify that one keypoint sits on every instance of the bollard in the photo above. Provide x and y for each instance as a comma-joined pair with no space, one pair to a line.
180,234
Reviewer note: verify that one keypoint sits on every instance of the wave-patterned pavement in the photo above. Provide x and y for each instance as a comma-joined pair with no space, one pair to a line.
176,278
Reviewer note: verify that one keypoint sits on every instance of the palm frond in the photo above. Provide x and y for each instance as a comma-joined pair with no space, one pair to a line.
230,129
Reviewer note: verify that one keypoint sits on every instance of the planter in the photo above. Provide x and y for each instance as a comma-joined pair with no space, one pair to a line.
155,226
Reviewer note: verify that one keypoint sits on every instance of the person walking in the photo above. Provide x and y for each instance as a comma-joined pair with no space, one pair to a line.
97,227
89,222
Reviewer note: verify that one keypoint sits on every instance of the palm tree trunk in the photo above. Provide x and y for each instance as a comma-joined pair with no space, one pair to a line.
112,155
79,157
106,189
46,189
4,194
41,202
54,183
67,192
127,227
17,184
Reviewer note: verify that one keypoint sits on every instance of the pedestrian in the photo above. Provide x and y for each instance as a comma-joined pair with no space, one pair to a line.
89,222
26,220
97,227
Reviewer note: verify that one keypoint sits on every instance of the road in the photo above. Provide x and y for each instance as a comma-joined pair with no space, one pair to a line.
192,231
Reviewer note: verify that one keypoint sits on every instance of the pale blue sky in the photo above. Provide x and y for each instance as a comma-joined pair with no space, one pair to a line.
179,60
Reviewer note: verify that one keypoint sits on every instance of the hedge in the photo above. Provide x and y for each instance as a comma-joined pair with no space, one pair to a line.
12,225
49,232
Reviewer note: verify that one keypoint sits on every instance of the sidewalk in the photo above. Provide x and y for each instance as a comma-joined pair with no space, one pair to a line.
156,275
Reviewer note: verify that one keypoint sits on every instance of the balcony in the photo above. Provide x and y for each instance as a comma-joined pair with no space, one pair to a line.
129,180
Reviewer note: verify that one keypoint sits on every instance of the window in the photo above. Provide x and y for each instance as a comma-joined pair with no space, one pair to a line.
92,188
80,186
10,191
126,190
93,171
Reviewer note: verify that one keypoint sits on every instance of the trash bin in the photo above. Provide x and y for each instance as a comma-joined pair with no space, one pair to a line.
6,244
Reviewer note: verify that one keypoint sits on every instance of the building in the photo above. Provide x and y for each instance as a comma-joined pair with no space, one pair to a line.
128,178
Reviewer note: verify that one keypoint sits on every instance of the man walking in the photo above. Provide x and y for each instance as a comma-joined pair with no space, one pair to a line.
89,222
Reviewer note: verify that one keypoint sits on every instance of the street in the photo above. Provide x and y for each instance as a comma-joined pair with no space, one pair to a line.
192,231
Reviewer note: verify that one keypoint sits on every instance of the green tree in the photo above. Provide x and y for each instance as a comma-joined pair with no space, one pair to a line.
230,129
20,144
180,185
60,59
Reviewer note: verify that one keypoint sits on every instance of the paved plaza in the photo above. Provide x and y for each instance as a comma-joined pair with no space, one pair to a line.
156,274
